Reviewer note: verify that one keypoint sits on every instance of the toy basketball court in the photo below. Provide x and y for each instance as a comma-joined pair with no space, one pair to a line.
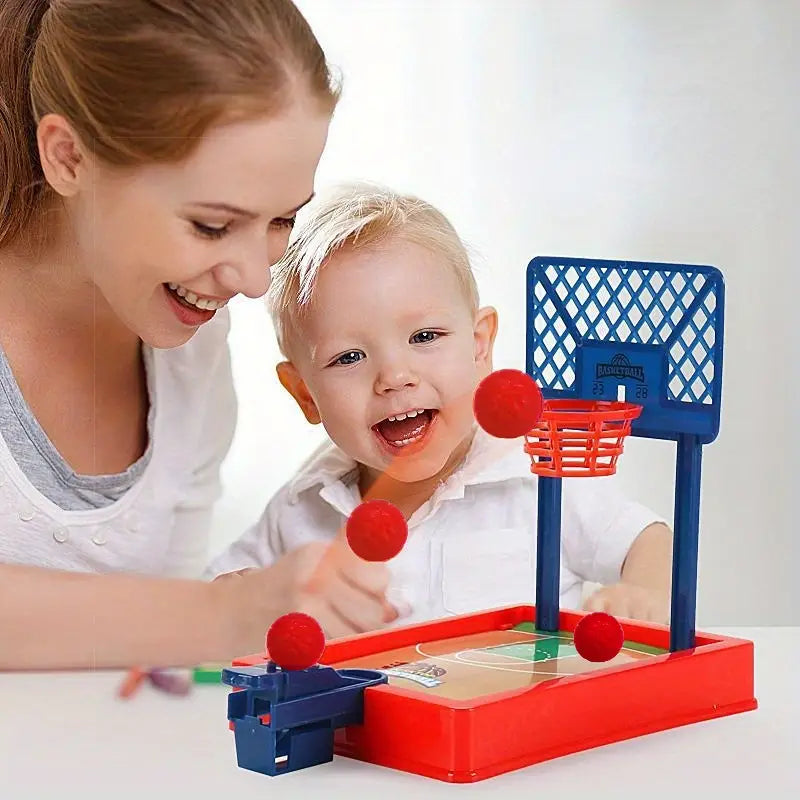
480,664
618,349
472,697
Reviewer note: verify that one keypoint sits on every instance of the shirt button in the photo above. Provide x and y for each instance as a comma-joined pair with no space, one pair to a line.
61,535
99,538
27,513
132,521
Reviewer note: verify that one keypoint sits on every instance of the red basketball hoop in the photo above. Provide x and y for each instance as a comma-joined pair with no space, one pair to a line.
579,438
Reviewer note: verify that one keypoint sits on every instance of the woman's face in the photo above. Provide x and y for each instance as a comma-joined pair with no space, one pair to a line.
166,245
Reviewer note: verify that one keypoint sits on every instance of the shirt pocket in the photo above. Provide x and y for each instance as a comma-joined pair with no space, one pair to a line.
487,568
410,577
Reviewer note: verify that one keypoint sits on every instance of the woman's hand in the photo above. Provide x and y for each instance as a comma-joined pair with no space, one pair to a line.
345,594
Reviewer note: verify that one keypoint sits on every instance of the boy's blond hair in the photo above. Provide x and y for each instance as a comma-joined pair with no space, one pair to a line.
356,216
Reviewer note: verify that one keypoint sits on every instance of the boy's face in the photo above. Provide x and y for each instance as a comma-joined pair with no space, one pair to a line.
388,358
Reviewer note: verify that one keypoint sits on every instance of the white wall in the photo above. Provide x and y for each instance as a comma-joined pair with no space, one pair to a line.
640,130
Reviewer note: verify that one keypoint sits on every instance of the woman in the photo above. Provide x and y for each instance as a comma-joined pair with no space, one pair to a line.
152,158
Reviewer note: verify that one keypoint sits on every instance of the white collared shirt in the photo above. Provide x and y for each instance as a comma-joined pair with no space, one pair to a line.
471,546
161,524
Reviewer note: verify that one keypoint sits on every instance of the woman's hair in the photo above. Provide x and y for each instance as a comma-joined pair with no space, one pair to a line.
357,216
141,80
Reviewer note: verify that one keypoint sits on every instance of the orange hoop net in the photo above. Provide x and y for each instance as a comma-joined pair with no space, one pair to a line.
579,438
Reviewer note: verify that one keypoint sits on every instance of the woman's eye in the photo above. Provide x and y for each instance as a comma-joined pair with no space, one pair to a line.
351,357
284,222
210,231
423,337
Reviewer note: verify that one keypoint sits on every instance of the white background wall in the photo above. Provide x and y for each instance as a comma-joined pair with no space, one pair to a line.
632,129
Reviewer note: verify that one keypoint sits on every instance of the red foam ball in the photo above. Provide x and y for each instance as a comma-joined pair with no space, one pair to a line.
376,530
508,403
295,641
598,637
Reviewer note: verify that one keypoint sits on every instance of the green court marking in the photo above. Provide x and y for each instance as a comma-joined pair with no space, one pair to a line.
529,627
538,650
644,648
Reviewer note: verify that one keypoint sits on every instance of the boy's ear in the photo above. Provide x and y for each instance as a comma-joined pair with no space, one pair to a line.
291,381
485,333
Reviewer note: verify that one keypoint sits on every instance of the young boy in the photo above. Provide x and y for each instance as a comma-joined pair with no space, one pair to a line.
376,310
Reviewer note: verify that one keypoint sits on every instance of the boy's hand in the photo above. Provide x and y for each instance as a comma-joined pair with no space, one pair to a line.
644,589
631,601
345,594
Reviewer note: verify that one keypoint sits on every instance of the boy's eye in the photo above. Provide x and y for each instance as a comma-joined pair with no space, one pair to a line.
284,222
351,357
210,231
423,337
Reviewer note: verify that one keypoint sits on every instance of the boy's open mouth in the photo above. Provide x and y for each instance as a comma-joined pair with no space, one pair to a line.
407,432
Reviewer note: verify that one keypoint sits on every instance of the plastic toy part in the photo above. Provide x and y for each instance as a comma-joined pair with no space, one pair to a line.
295,641
599,329
598,637
507,403
285,721
579,438
450,714
376,530
631,331
209,672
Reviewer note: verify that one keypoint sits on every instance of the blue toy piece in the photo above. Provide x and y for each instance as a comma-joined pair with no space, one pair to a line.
652,332
548,554
284,720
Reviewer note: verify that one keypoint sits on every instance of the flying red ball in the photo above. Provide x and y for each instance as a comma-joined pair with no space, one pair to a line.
376,530
508,403
598,637
295,641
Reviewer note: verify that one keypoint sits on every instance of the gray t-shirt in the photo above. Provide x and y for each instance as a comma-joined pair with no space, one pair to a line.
43,465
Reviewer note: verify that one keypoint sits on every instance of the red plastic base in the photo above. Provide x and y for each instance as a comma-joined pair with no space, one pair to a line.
463,741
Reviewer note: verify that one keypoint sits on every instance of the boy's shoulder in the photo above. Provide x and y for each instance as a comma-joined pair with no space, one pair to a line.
491,460
503,465
325,465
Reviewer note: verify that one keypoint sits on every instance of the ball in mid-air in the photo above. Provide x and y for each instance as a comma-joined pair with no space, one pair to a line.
376,530
508,403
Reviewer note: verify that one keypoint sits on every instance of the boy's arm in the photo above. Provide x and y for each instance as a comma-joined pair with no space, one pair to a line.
259,546
649,561
612,540
644,589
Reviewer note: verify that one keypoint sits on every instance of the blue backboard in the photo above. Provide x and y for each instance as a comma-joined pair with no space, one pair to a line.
650,332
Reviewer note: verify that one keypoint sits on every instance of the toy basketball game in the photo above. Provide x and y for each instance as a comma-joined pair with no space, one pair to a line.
617,349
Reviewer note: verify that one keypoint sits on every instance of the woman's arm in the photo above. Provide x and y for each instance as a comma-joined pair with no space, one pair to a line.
62,620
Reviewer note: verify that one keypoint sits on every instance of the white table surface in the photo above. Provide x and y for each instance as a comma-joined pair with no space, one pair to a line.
67,735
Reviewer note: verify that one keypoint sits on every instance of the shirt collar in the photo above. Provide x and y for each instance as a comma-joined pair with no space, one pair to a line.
489,460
